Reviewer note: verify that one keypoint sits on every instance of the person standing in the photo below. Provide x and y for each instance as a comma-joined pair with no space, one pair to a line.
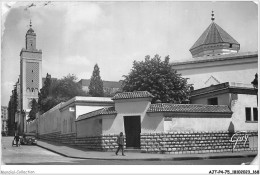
120,142
17,138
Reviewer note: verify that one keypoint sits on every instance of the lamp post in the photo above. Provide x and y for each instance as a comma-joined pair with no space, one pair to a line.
255,85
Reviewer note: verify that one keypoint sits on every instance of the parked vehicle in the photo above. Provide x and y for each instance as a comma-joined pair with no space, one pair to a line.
28,139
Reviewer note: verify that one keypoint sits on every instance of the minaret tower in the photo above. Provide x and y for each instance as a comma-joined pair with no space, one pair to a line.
30,71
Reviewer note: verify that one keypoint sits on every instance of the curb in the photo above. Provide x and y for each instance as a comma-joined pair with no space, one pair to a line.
155,159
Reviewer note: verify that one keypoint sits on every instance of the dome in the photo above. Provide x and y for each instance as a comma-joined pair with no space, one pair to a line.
30,31
214,41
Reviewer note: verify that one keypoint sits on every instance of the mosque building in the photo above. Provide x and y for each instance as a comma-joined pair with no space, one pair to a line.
216,59
218,108
223,102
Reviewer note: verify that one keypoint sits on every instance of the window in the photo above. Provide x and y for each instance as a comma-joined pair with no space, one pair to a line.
213,101
230,46
255,113
248,114
249,117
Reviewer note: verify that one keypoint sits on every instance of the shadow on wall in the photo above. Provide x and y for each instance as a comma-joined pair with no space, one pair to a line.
231,129
152,124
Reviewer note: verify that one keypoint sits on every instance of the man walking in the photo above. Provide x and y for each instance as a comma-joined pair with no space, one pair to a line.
120,142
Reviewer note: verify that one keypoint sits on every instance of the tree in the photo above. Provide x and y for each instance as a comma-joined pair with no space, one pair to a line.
34,110
67,88
56,91
44,93
12,109
158,78
96,84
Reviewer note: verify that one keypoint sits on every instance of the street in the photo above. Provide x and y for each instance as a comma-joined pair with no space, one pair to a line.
34,155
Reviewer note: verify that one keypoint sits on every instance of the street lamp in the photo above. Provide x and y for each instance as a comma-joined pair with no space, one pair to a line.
255,85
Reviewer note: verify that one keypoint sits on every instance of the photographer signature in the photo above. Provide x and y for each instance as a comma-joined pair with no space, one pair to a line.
239,138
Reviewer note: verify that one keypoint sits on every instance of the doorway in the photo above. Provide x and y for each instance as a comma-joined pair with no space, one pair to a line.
132,131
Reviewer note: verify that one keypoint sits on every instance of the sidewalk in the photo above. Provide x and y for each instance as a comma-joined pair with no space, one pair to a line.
81,153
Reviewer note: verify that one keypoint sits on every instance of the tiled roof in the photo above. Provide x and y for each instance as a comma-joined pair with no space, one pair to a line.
188,108
131,95
103,111
212,35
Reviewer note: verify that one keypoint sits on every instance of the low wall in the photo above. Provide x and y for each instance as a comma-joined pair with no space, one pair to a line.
100,143
196,142
167,143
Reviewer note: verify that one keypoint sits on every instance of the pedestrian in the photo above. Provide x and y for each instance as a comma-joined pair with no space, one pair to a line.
120,142
17,138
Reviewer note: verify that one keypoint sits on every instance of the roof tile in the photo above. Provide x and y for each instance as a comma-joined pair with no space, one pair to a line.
103,111
212,35
131,95
189,108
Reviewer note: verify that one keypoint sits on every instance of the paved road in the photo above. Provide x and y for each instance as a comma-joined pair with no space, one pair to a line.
34,155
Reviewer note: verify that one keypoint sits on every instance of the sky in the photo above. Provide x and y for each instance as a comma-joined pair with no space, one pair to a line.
74,36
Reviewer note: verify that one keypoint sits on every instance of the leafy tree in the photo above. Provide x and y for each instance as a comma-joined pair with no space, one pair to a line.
34,110
55,91
158,78
12,109
96,84
68,88
43,94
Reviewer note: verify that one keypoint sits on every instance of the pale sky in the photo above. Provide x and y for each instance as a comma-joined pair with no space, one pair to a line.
74,36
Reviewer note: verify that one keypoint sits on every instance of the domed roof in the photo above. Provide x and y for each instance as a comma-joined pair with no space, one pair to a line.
212,35
30,31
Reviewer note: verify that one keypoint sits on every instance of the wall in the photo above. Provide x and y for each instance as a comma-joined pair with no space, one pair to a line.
239,76
50,121
196,122
31,126
223,99
166,143
67,121
110,125
237,70
194,142
130,107
152,122
239,116
86,109
61,118
89,127
98,143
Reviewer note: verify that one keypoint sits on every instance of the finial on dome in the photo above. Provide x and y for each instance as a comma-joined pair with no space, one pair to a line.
30,23
212,16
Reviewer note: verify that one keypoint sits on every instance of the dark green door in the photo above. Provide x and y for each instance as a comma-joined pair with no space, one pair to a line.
132,131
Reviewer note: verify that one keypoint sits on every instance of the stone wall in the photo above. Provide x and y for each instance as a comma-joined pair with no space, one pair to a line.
101,143
59,138
193,142
166,143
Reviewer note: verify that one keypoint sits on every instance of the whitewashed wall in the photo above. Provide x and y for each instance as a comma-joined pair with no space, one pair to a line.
196,124
89,127
31,126
50,121
239,115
